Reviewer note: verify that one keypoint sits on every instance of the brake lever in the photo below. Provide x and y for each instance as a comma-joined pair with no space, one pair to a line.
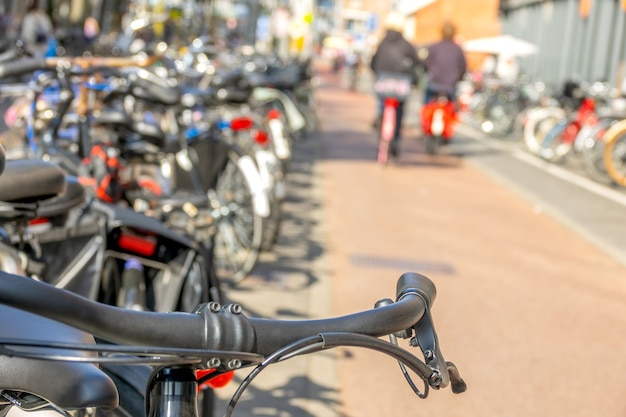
426,339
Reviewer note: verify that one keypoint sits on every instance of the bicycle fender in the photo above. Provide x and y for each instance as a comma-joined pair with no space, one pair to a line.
251,174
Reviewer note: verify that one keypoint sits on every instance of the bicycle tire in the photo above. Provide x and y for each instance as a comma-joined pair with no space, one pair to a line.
195,289
387,129
592,149
237,241
538,123
614,153
476,109
271,225
556,144
305,102
432,144
501,114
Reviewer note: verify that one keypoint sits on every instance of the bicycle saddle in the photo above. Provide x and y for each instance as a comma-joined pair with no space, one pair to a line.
40,183
147,86
68,385
144,131
212,96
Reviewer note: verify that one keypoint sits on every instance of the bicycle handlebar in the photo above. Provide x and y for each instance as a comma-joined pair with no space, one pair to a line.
213,327
22,66
87,64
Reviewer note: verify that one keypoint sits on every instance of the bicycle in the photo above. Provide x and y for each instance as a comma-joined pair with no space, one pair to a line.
614,152
227,198
60,234
438,118
175,345
560,140
392,89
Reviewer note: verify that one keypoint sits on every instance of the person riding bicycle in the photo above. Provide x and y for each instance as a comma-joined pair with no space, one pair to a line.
445,64
395,54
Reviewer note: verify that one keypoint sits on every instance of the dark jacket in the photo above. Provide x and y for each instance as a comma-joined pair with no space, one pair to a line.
395,54
445,64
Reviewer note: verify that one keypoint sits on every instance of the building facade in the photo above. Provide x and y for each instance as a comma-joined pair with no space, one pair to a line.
576,38
584,39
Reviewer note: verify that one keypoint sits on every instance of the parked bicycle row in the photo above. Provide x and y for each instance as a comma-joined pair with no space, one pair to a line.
581,122
205,153
145,183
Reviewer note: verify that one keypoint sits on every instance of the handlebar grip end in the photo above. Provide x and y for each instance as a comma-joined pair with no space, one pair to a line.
414,282
457,384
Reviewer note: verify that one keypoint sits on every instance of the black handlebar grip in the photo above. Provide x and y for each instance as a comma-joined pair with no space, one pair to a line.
411,282
22,66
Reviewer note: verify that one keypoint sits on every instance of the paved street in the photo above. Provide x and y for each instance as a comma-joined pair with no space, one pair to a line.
530,306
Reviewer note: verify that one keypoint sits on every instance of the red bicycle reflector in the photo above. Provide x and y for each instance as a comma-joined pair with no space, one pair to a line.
273,114
241,123
142,245
151,185
390,101
261,137
39,225
218,381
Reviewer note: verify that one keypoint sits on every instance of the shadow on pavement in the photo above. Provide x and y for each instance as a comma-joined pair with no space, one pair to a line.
283,399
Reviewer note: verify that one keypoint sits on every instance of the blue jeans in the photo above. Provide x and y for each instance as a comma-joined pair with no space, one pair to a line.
432,92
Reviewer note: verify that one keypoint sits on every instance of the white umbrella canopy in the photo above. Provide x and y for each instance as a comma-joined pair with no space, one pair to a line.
503,44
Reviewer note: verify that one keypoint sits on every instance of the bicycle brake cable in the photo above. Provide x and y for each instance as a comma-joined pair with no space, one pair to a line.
306,345
394,340
325,341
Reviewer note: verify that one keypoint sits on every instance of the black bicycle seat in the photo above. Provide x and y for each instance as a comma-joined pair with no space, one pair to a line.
69,385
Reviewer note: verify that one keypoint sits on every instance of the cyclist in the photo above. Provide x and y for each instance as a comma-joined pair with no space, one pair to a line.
395,54
445,64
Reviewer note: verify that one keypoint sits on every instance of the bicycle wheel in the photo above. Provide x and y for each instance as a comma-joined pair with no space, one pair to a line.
501,113
538,123
387,129
614,153
476,109
559,141
305,102
271,225
240,202
592,149
195,288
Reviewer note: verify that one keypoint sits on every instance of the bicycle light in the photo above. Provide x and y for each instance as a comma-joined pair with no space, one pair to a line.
217,381
241,123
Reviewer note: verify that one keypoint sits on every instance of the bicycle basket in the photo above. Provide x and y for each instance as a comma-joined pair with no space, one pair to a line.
393,85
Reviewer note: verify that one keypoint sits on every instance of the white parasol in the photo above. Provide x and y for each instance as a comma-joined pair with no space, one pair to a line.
503,44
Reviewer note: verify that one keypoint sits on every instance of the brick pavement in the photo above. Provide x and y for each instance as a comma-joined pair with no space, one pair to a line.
532,314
